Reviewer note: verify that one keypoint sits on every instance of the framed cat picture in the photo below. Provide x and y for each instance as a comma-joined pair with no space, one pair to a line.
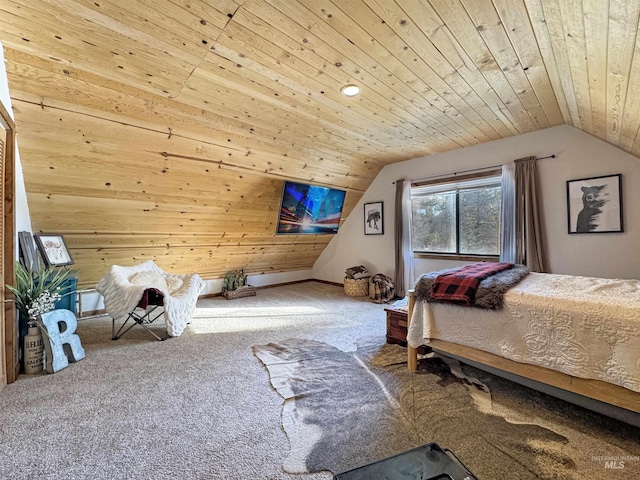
595,204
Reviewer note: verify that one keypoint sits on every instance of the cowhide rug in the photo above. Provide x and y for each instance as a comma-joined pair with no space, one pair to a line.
346,409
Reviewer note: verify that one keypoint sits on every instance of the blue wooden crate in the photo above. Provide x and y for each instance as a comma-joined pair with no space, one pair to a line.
68,292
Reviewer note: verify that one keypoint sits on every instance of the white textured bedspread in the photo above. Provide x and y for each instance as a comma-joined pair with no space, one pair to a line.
582,326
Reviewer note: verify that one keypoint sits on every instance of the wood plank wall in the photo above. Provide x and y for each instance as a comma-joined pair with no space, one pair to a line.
122,194
129,173
165,129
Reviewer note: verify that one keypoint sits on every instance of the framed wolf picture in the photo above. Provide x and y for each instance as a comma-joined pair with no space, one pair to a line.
373,219
595,204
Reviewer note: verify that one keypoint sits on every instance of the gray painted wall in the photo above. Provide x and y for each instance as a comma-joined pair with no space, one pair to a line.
578,155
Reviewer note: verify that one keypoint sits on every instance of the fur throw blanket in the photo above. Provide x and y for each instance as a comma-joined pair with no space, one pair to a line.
123,287
489,293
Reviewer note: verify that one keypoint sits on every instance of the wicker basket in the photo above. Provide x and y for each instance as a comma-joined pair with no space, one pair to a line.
356,288
246,291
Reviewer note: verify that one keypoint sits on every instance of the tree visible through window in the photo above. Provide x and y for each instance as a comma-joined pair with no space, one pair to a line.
460,218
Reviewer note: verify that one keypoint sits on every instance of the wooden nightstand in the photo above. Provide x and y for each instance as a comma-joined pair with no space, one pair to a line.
396,326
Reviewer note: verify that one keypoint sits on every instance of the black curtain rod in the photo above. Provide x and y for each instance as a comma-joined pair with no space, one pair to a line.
471,170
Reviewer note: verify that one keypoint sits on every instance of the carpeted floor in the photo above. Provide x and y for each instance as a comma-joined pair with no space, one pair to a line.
199,406
343,409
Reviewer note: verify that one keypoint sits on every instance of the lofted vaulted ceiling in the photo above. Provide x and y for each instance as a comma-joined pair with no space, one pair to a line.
164,129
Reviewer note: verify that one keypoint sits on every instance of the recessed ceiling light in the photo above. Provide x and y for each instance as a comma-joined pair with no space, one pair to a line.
350,90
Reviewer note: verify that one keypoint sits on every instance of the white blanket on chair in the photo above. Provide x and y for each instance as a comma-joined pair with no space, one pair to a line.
121,296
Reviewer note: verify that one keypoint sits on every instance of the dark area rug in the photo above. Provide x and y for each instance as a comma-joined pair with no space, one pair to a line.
346,409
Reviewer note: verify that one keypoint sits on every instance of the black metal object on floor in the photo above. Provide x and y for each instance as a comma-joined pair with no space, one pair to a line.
428,462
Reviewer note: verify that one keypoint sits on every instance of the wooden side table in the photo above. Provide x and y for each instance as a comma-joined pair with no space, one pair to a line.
396,326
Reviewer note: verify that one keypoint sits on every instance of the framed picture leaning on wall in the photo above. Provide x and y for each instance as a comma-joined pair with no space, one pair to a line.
53,249
594,205
373,219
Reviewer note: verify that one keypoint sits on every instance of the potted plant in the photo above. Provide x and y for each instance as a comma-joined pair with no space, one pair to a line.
36,292
234,285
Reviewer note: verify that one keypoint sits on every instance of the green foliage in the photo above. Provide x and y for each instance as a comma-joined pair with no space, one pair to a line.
234,280
30,285
480,221
435,215
434,227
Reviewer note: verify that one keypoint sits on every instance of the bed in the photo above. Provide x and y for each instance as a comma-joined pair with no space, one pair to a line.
577,334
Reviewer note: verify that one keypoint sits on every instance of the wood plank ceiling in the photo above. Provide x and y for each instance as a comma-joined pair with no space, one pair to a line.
164,128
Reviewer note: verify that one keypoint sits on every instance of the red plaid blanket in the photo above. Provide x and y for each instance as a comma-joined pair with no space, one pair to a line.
460,285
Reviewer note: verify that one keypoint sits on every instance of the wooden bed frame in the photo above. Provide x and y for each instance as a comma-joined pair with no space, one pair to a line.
592,389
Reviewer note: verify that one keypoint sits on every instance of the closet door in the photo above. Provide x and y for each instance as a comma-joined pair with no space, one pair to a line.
3,367
9,365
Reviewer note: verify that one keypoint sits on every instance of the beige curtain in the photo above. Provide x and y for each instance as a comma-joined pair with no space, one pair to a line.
530,237
404,271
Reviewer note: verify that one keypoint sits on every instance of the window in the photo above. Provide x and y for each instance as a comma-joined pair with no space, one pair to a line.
459,217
